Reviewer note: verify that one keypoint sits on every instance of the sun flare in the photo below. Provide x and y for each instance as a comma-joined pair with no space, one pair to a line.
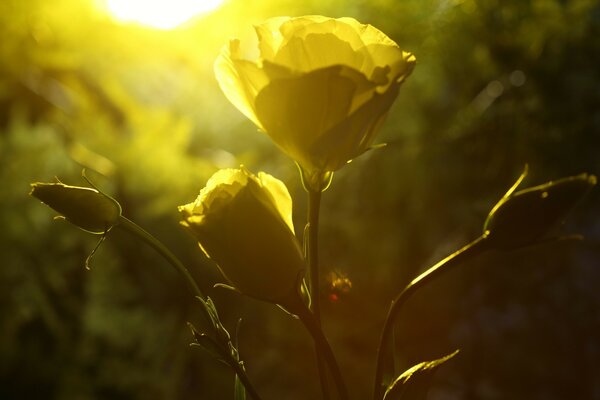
161,14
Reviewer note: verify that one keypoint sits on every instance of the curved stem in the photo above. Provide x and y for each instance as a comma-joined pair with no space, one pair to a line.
470,250
324,349
157,245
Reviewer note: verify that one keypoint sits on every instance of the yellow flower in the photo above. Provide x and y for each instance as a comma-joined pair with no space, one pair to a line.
320,89
244,223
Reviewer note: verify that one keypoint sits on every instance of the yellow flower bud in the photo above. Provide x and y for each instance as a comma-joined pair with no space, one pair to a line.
320,89
84,207
244,223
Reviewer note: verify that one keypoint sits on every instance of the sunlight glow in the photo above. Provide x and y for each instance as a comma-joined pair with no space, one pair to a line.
161,14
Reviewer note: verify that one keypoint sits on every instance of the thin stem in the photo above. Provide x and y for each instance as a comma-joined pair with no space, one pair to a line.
157,245
241,373
323,349
314,205
467,252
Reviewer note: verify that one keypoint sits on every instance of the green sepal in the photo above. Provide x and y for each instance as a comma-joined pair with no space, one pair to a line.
414,383
315,181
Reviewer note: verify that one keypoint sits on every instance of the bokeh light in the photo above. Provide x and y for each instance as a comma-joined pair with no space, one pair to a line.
161,14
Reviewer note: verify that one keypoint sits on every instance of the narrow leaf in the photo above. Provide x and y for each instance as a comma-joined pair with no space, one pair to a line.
239,392
414,383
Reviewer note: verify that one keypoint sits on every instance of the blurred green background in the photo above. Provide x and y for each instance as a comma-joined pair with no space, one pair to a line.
498,84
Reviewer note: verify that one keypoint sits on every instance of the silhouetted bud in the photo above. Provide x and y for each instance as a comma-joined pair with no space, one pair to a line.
84,207
524,217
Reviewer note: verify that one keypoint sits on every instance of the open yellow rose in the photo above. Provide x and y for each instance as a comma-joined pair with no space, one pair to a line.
320,89
244,223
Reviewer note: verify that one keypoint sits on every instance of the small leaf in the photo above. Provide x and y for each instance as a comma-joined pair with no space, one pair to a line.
226,287
207,343
239,392
88,260
414,383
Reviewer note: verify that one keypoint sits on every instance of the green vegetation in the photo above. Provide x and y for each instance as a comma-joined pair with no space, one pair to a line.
498,84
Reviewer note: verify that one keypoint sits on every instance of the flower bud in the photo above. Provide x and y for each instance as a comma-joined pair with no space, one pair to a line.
524,217
84,207
244,223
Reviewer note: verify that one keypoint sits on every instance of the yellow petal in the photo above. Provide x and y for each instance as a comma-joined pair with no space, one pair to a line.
296,111
353,135
270,37
281,197
318,50
247,236
401,63
240,80
369,34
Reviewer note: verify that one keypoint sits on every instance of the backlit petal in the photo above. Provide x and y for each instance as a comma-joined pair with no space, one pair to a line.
295,112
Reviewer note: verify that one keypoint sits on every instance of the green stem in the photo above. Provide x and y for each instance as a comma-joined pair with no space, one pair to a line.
474,248
138,231
314,205
323,348
241,373
157,245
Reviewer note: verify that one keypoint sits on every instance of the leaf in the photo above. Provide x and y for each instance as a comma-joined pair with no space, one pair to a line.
208,344
413,384
239,392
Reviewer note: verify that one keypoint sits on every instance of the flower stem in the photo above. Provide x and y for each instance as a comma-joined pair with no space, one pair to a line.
467,252
141,233
157,245
241,373
314,204
323,349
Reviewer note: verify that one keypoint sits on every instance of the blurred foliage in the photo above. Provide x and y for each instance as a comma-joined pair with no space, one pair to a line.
498,84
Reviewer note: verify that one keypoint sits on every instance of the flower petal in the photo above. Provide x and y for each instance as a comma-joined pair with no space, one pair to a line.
353,135
281,197
296,111
239,79
318,50
270,37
